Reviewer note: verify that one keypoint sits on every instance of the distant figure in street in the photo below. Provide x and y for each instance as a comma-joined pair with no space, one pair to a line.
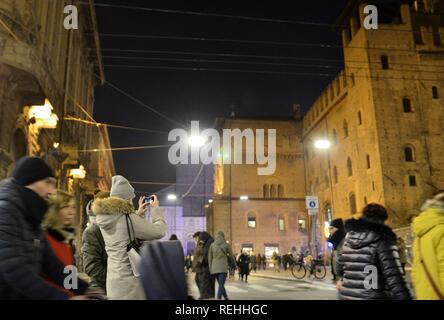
196,263
402,252
244,266
336,238
275,261
173,237
428,250
116,217
207,282
219,256
253,262
370,250
95,259
24,250
264,261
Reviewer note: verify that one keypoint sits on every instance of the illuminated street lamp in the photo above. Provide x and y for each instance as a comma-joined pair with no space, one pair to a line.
243,198
43,117
210,201
172,197
78,173
322,144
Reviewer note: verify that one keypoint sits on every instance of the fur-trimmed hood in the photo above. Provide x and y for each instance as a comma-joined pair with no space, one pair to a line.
112,205
109,210
362,232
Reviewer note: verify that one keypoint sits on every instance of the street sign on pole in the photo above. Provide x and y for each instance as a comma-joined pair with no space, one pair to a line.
312,202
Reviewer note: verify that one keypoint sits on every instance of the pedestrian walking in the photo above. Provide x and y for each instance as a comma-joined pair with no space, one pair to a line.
402,252
114,217
244,266
196,263
336,238
207,282
264,261
94,256
370,251
275,261
24,251
253,262
428,250
219,259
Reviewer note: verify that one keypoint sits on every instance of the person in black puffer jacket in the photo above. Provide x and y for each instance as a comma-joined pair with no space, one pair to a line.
25,254
370,243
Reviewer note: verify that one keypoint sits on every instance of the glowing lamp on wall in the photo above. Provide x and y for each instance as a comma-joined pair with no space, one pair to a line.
43,117
79,173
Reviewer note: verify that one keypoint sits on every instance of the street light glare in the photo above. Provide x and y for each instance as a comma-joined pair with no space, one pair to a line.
171,197
244,197
322,144
196,141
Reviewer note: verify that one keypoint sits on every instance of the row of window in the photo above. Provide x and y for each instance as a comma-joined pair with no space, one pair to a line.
409,156
252,223
273,191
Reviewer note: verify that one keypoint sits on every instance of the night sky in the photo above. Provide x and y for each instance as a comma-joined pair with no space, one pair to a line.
185,95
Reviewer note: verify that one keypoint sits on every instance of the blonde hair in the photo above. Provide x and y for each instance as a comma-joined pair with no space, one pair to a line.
59,200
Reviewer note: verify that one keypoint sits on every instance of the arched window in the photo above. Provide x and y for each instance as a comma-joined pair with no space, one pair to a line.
251,220
384,62
352,201
368,161
407,105
280,191
359,118
281,223
273,193
345,127
349,167
435,93
335,174
266,191
409,155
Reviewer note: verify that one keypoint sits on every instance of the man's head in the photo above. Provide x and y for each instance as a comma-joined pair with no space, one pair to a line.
335,225
375,212
33,173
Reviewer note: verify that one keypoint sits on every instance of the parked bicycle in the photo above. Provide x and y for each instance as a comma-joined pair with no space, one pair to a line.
315,267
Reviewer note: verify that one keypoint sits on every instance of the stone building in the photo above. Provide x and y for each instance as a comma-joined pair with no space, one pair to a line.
273,218
383,114
48,74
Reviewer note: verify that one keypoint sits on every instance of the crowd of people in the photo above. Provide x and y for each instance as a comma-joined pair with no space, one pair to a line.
38,245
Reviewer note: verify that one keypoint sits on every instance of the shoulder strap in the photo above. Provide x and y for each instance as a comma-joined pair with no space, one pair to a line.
130,227
429,277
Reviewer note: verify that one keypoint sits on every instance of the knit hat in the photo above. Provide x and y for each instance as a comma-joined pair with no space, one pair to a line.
121,188
337,223
31,169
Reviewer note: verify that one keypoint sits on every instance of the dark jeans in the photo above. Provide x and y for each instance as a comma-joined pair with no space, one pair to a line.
221,277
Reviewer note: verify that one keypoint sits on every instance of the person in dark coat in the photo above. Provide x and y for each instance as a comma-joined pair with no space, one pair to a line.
253,262
207,282
369,264
244,266
336,238
95,259
25,254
